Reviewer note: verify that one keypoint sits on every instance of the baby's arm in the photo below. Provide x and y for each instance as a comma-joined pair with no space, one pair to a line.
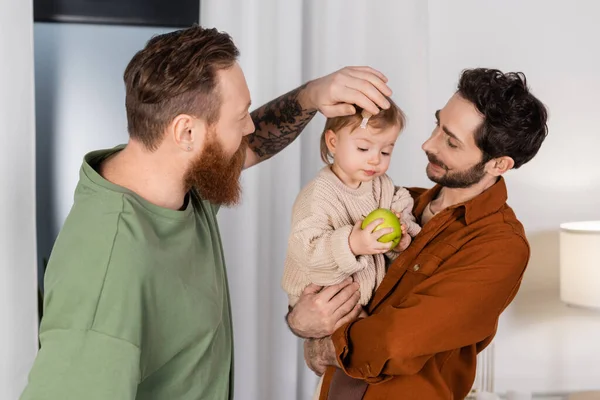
403,203
324,246
327,258
324,252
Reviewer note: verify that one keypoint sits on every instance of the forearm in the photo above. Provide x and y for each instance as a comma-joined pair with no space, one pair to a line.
329,258
279,122
326,258
403,204
406,339
319,354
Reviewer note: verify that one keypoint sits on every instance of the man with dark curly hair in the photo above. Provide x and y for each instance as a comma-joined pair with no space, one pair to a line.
439,303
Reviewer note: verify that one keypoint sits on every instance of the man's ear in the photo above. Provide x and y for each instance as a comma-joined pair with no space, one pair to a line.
500,165
188,132
331,141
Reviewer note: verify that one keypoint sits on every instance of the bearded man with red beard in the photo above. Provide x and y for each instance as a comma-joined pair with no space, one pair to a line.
137,303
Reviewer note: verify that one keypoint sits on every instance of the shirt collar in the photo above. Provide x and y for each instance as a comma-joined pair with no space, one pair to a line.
482,205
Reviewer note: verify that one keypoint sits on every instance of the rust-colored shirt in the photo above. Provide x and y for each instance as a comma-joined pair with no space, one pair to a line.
438,305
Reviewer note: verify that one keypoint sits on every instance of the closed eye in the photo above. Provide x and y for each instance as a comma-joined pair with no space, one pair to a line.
385,154
361,149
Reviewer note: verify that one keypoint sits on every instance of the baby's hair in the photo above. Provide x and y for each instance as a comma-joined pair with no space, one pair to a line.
393,116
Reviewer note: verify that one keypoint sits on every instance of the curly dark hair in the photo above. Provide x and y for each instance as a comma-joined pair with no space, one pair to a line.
175,73
514,122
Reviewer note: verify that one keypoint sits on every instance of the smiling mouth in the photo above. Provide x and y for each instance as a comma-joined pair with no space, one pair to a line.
435,162
436,166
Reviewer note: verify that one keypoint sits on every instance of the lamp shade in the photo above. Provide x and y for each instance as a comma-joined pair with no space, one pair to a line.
580,263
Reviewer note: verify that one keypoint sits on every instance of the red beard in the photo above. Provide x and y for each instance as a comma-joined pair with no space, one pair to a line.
216,176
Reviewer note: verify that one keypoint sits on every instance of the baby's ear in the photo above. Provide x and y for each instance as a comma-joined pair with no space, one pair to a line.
331,140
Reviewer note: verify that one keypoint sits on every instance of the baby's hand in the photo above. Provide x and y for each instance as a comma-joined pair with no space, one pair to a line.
365,241
405,240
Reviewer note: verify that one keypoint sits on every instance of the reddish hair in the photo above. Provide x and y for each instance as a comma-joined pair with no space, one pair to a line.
176,73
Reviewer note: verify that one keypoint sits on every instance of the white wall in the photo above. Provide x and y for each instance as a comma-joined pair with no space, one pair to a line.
18,291
542,345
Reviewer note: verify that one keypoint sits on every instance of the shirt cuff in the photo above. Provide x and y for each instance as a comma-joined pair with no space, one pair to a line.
343,350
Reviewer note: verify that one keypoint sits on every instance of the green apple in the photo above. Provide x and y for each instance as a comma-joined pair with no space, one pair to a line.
389,221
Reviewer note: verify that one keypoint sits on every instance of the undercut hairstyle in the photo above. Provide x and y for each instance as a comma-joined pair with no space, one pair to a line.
175,73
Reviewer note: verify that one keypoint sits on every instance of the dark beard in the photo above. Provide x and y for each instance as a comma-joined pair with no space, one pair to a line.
215,176
457,179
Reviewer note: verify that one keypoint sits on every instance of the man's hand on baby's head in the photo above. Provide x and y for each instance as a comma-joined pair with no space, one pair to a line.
336,94
366,241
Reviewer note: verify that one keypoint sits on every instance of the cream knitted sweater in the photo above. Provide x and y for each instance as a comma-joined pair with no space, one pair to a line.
323,216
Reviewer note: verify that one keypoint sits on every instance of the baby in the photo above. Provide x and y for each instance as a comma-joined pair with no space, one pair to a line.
327,244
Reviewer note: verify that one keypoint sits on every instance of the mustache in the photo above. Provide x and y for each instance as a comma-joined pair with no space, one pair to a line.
436,161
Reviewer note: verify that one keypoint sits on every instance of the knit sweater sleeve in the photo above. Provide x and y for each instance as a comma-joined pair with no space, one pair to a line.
319,239
399,200
403,203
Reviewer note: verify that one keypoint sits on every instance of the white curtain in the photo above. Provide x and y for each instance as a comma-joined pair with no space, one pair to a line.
284,44
267,358
18,288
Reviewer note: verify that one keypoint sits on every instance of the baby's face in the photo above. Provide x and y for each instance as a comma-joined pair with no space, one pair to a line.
363,154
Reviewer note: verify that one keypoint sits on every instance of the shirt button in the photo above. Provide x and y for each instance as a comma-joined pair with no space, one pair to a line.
416,267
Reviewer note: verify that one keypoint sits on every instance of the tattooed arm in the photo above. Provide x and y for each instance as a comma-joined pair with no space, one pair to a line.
280,121
277,124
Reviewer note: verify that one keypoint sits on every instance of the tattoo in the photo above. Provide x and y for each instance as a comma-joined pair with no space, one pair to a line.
278,123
